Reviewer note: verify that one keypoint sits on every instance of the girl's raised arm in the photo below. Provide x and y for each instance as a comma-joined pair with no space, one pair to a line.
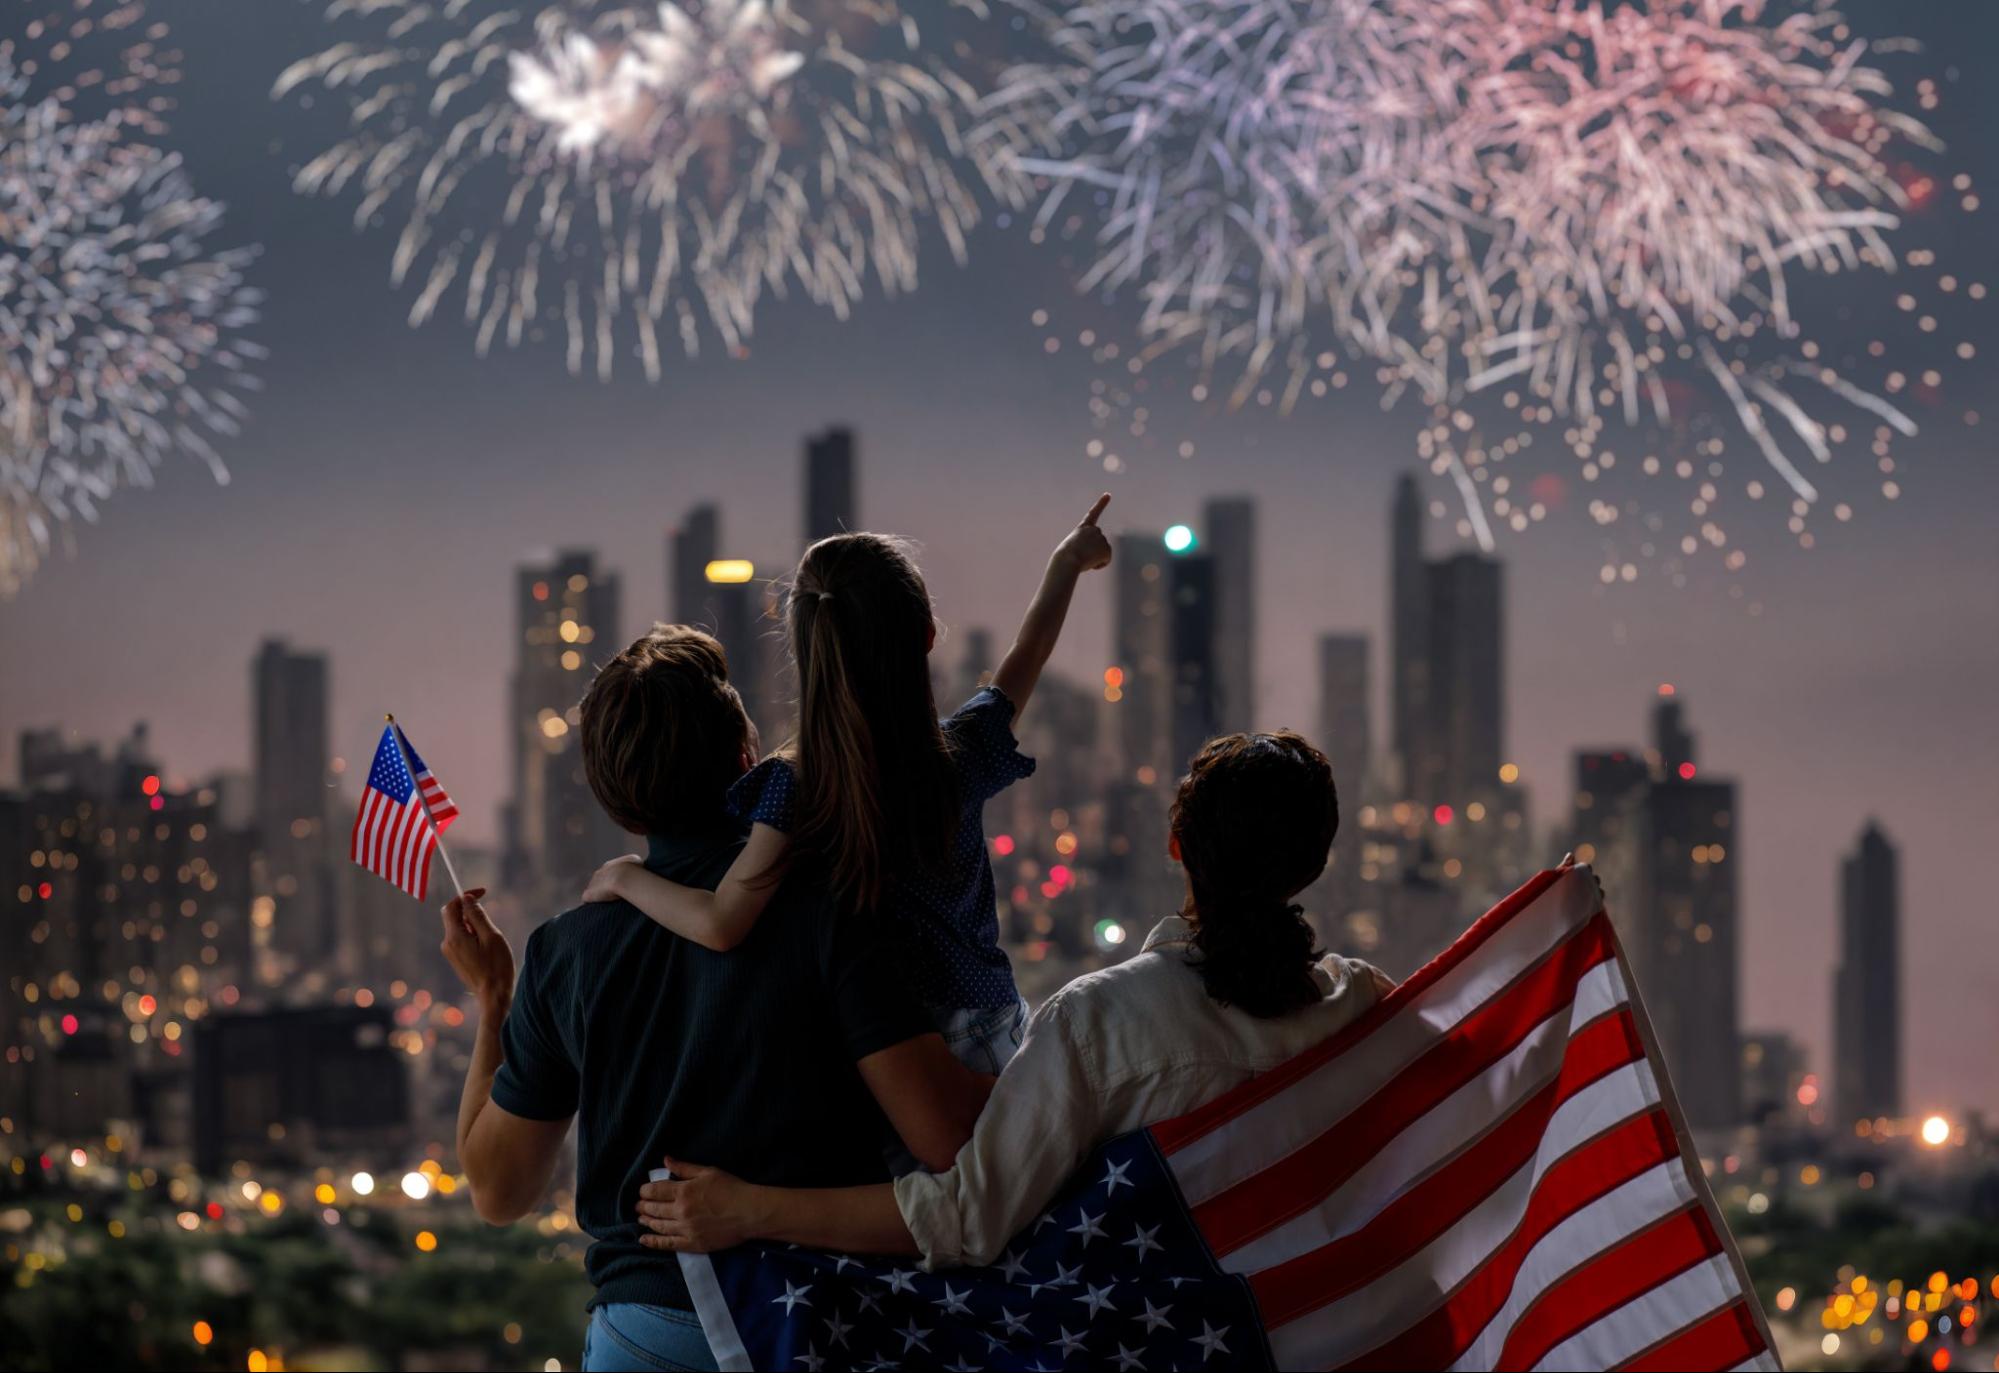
1085,550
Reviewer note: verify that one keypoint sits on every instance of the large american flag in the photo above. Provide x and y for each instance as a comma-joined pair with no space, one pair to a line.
1487,1170
392,836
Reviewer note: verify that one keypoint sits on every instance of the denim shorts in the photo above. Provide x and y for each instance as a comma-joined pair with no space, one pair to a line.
983,1038
627,1335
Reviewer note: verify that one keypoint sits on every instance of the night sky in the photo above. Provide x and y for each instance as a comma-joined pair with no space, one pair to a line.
390,480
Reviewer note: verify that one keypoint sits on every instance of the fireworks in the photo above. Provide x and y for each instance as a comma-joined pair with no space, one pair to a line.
1242,155
118,326
639,169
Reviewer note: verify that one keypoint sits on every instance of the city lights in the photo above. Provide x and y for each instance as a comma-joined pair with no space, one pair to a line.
363,1184
416,1186
730,571
1180,539
1935,1131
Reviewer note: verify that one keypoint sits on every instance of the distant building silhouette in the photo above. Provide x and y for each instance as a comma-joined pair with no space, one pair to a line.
831,506
1666,845
1867,993
566,622
727,595
290,697
1139,653
1230,543
1193,660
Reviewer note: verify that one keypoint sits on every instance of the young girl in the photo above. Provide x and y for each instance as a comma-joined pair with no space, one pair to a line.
884,796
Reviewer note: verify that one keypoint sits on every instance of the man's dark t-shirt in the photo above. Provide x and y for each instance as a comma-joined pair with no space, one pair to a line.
742,1060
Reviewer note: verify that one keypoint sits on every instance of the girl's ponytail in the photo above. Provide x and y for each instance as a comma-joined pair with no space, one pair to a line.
874,769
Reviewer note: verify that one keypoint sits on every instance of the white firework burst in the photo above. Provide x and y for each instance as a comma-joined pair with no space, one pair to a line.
651,168
120,328
1245,157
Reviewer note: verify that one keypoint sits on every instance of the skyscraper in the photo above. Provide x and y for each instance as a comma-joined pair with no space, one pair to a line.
724,596
290,705
1409,634
290,701
1191,656
1231,547
1344,731
566,622
1668,848
1867,995
830,504
1448,670
1460,745
1139,655
696,543
1344,734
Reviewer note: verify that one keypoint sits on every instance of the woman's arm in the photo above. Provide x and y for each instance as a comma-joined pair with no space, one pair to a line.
717,920
1085,550
704,1209
1043,1118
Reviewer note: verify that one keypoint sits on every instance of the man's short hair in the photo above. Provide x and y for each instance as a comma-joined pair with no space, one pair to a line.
663,731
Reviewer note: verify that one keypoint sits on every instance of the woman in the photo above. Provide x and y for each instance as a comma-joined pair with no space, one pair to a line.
1223,991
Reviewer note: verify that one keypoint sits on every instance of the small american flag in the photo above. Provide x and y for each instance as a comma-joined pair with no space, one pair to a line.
392,837
1487,1170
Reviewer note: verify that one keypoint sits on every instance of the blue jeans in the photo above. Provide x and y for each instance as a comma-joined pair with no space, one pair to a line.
626,1335
983,1038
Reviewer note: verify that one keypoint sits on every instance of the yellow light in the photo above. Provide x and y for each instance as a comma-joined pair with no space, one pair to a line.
730,571
1936,1131
204,1333
259,1362
324,1194
1919,1330
446,1184
1509,773
425,1241
272,1203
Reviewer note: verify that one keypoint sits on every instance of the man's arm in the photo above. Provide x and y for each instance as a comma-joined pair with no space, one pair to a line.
508,1159
930,1098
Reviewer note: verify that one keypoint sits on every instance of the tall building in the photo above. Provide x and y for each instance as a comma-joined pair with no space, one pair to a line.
566,621
1668,848
1460,743
1867,993
690,548
290,700
830,503
723,595
1344,735
1448,671
1231,546
1192,657
1409,634
1139,655
1773,1072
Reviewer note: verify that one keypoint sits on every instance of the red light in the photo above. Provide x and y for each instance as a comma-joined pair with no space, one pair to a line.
541,591
69,1024
1665,688
214,1209
159,802
151,786
1442,815
46,890
1113,676
1003,844
147,1005
47,1163
1059,874
1686,772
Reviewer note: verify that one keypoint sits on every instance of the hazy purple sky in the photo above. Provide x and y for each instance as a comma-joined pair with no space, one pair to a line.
390,481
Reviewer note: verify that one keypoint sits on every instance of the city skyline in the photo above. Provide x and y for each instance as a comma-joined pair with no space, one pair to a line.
1859,689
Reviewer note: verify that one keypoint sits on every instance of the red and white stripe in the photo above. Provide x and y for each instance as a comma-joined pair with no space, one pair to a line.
393,841
1488,1170
442,812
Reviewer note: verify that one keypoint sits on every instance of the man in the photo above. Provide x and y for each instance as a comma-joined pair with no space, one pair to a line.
777,1060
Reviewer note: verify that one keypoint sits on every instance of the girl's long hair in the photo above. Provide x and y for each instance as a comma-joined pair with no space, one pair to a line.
1254,819
875,772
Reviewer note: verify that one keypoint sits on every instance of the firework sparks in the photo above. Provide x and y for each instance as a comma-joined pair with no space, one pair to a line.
633,170
119,328
1238,155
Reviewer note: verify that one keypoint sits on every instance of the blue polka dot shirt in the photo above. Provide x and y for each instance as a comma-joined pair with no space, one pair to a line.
953,959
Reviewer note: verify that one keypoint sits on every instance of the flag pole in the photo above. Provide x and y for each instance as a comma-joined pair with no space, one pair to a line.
402,751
